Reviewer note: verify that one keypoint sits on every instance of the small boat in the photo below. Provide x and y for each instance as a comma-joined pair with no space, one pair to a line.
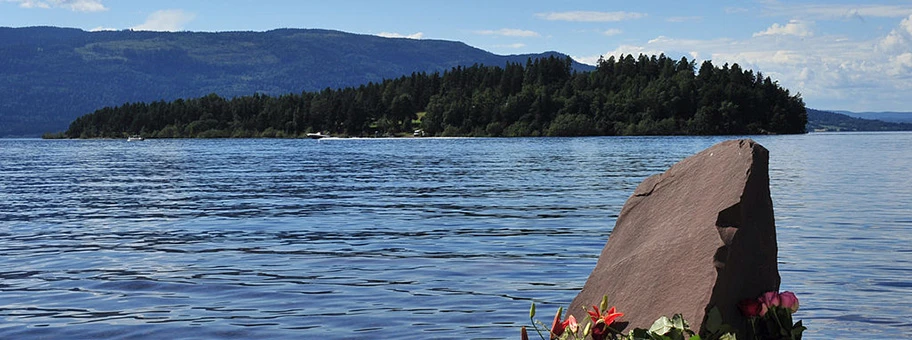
316,135
135,138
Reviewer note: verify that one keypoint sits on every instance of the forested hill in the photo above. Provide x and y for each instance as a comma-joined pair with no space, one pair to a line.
545,97
49,76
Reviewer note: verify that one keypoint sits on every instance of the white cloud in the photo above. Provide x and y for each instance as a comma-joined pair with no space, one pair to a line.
612,32
73,5
620,51
797,28
901,65
170,20
417,35
509,32
102,29
899,39
588,60
31,3
590,16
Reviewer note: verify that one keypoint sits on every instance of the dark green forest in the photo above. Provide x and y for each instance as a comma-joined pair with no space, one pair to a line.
644,95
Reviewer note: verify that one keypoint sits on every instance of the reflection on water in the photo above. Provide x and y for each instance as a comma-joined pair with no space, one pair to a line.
416,238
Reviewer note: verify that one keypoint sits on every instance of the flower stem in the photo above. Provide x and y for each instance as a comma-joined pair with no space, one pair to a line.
775,311
753,322
536,328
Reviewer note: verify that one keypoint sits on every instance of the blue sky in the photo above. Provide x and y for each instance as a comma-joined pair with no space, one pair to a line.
840,55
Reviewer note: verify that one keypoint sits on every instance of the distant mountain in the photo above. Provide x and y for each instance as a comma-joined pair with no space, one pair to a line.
894,117
49,76
830,121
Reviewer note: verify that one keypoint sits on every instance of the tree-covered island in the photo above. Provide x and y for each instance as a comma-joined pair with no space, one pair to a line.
631,95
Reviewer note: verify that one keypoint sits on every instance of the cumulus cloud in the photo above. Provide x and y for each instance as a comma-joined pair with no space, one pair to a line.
170,20
590,16
102,29
795,27
901,66
620,51
417,35
899,39
509,32
73,5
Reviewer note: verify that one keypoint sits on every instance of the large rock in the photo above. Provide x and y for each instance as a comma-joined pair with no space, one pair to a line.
699,235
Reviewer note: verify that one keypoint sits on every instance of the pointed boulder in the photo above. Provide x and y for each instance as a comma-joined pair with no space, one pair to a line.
700,235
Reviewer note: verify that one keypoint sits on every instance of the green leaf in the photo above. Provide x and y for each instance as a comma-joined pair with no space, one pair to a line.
678,321
695,337
714,320
797,329
638,334
728,336
532,311
661,326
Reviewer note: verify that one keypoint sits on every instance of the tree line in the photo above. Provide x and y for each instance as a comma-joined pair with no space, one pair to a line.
644,95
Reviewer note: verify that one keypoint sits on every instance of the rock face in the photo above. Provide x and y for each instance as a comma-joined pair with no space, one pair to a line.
699,235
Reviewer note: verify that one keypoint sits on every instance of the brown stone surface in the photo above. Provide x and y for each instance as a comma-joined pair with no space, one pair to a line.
699,235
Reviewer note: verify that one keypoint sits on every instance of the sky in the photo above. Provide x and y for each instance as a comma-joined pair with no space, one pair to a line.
839,55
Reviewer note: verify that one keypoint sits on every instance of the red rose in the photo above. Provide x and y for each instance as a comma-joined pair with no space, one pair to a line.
750,307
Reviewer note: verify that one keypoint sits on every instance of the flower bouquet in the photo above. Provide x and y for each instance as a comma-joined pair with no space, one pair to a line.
770,316
599,325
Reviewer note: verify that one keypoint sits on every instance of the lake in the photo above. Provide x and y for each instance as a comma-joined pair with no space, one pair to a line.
405,238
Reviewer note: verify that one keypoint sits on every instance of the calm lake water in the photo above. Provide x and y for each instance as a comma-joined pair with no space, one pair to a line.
404,238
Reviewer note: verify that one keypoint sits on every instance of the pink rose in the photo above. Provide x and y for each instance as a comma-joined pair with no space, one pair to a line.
770,299
789,301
